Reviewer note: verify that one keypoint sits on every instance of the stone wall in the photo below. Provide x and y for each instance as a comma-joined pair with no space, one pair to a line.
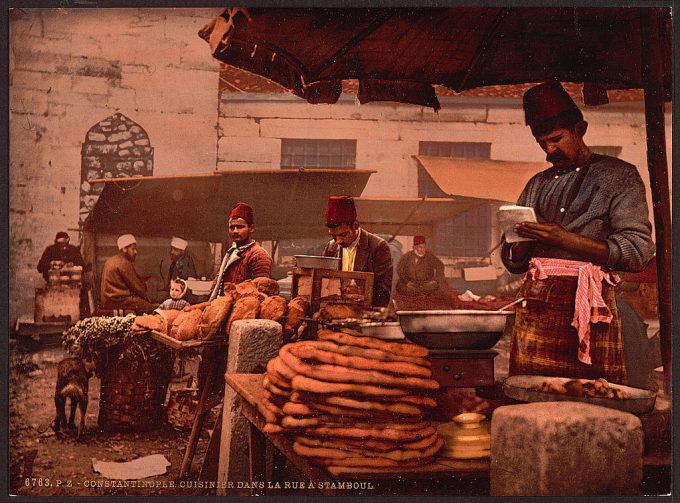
251,127
71,69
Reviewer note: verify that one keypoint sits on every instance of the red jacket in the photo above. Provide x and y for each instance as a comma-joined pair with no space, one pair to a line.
252,261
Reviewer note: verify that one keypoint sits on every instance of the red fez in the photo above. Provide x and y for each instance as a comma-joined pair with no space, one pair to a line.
545,102
244,211
340,210
418,240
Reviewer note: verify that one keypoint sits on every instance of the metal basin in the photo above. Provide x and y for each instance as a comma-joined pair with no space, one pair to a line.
390,330
317,262
453,329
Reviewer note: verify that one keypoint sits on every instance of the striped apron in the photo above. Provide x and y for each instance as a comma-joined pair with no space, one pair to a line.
569,324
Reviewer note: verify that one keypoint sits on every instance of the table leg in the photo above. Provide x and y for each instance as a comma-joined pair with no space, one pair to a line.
258,458
212,455
199,420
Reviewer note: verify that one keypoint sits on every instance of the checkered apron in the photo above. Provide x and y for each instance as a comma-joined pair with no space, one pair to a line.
545,341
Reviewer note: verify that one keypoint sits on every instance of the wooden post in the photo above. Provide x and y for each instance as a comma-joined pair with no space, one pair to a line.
652,72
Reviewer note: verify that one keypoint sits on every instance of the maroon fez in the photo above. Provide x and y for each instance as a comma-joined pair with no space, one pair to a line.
340,210
545,102
244,211
418,240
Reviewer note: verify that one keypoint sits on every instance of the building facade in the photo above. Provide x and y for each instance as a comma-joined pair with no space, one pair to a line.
72,69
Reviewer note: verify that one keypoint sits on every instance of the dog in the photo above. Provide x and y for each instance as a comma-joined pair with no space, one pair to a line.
73,375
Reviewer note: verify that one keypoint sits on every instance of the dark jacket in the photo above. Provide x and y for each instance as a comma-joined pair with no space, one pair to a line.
427,269
373,255
182,267
605,200
68,254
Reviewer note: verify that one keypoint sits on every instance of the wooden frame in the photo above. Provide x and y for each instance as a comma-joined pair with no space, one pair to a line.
318,275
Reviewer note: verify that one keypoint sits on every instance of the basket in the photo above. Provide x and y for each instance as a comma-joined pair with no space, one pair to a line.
133,389
182,407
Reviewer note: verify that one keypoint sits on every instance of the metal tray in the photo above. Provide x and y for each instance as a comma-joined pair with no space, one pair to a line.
317,262
640,402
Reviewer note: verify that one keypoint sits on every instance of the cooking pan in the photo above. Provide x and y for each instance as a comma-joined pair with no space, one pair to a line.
453,329
639,401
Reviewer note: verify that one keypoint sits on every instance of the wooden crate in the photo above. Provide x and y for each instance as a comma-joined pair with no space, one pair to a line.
318,284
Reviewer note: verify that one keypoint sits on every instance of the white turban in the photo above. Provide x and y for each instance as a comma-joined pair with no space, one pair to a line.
126,240
179,243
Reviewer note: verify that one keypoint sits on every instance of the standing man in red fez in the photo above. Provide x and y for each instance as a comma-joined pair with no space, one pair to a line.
592,221
359,250
420,272
245,259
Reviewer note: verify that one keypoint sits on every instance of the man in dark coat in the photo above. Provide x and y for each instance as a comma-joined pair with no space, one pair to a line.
359,249
420,272
181,263
60,250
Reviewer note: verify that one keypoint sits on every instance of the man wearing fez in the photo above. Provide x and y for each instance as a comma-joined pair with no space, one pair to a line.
420,272
359,250
121,286
592,220
245,259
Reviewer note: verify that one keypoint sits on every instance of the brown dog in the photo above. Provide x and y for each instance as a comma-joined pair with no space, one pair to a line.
73,375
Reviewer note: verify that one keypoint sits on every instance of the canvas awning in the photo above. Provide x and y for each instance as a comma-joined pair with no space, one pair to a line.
286,203
479,178
409,216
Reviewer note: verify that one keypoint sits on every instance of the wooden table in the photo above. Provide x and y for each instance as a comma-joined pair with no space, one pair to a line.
249,387
212,389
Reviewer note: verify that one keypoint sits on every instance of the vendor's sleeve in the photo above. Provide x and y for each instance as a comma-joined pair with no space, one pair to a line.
630,244
44,263
261,265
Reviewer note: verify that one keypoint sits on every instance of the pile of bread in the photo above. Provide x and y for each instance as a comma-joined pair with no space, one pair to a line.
352,401
257,298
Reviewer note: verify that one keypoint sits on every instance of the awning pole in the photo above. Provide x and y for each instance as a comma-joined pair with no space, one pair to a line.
652,72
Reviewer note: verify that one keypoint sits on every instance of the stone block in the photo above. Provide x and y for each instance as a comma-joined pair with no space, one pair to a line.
252,343
565,449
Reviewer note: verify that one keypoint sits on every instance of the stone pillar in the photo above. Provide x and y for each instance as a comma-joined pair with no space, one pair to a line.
252,343
565,449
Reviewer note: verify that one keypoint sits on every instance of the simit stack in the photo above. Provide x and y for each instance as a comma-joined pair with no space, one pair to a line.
353,401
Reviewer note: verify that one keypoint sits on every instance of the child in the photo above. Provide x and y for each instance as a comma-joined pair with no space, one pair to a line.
178,288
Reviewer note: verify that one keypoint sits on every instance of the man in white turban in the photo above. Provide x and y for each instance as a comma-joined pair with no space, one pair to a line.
121,286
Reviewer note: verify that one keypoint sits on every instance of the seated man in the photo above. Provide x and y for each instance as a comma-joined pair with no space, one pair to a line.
420,272
121,286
